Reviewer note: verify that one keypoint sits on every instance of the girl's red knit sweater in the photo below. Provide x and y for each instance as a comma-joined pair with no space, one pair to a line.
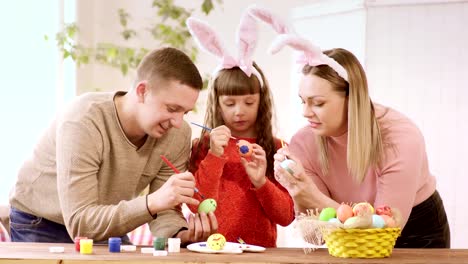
242,211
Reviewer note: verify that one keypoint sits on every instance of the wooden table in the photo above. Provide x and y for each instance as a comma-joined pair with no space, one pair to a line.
39,253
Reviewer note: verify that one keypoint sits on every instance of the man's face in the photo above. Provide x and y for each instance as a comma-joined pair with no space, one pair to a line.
164,107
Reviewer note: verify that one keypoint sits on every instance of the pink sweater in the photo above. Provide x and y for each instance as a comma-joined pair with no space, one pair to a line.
403,181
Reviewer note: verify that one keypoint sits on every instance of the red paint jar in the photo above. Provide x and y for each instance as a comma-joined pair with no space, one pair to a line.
77,243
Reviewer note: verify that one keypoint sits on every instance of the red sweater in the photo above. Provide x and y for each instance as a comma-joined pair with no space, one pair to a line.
242,211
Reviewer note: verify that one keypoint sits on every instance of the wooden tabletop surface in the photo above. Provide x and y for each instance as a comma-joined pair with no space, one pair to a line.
39,253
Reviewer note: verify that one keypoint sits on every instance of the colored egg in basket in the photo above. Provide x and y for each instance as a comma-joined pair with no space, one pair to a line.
358,231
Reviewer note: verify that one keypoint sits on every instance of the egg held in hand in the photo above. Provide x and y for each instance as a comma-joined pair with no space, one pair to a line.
216,241
287,165
244,148
207,205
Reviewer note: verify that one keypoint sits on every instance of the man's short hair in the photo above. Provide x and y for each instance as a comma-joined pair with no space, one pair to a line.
169,64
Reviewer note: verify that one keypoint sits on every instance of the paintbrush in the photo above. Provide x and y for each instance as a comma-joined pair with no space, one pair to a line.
207,128
177,171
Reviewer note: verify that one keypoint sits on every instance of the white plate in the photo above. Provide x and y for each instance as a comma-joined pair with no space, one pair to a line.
249,248
202,247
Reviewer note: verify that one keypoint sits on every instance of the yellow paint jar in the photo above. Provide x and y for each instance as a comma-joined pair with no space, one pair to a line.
86,246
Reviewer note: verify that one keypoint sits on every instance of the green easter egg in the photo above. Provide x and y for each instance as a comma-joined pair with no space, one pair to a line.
208,205
327,214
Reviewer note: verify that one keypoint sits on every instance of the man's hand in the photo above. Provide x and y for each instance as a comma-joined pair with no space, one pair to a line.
200,227
178,189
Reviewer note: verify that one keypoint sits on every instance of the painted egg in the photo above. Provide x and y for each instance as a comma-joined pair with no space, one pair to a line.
245,148
286,164
334,220
207,205
216,241
358,222
384,210
389,221
378,221
363,209
327,213
344,212
350,222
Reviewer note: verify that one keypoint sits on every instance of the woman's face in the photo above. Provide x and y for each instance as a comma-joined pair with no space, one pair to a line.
325,109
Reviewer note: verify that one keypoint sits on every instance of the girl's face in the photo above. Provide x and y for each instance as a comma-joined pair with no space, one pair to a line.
325,109
239,113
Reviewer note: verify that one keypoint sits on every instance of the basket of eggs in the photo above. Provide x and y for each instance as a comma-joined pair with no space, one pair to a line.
356,231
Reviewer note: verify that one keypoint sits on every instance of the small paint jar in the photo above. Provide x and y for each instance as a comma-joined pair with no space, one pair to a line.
77,243
159,243
173,245
114,244
86,246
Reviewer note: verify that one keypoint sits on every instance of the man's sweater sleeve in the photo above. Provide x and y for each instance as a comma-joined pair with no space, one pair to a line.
78,162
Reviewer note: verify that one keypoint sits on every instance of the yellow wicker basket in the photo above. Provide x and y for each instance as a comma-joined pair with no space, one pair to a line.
361,243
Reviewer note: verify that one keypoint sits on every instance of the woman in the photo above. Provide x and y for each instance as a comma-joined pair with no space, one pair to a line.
355,150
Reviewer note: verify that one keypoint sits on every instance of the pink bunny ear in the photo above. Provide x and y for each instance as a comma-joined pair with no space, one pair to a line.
207,39
266,16
246,42
296,43
312,55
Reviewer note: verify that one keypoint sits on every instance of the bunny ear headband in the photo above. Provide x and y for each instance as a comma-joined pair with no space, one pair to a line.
311,54
246,39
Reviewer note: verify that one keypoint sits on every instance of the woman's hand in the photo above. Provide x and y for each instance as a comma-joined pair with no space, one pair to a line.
301,187
219,138
297,183
256,166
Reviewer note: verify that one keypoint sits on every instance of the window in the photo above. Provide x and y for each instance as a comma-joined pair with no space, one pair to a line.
31,74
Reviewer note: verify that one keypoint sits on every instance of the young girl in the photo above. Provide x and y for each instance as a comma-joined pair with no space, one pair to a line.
250,202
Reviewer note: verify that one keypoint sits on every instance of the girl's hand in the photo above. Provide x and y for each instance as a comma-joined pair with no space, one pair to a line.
219,138
256,166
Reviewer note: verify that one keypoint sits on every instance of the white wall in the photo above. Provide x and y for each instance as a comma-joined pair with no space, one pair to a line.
417,60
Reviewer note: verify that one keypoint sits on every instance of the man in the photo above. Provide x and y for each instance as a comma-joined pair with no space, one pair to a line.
87,171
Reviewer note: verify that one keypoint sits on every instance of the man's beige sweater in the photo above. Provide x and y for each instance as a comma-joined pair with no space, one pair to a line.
85,173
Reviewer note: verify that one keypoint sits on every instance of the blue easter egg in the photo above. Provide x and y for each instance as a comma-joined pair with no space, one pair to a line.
378,221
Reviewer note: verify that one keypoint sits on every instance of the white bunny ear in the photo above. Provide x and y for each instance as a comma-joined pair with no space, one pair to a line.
266,16
246,42
207,39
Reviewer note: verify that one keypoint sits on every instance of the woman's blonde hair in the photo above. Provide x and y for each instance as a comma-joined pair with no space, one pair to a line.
365,148
234,82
